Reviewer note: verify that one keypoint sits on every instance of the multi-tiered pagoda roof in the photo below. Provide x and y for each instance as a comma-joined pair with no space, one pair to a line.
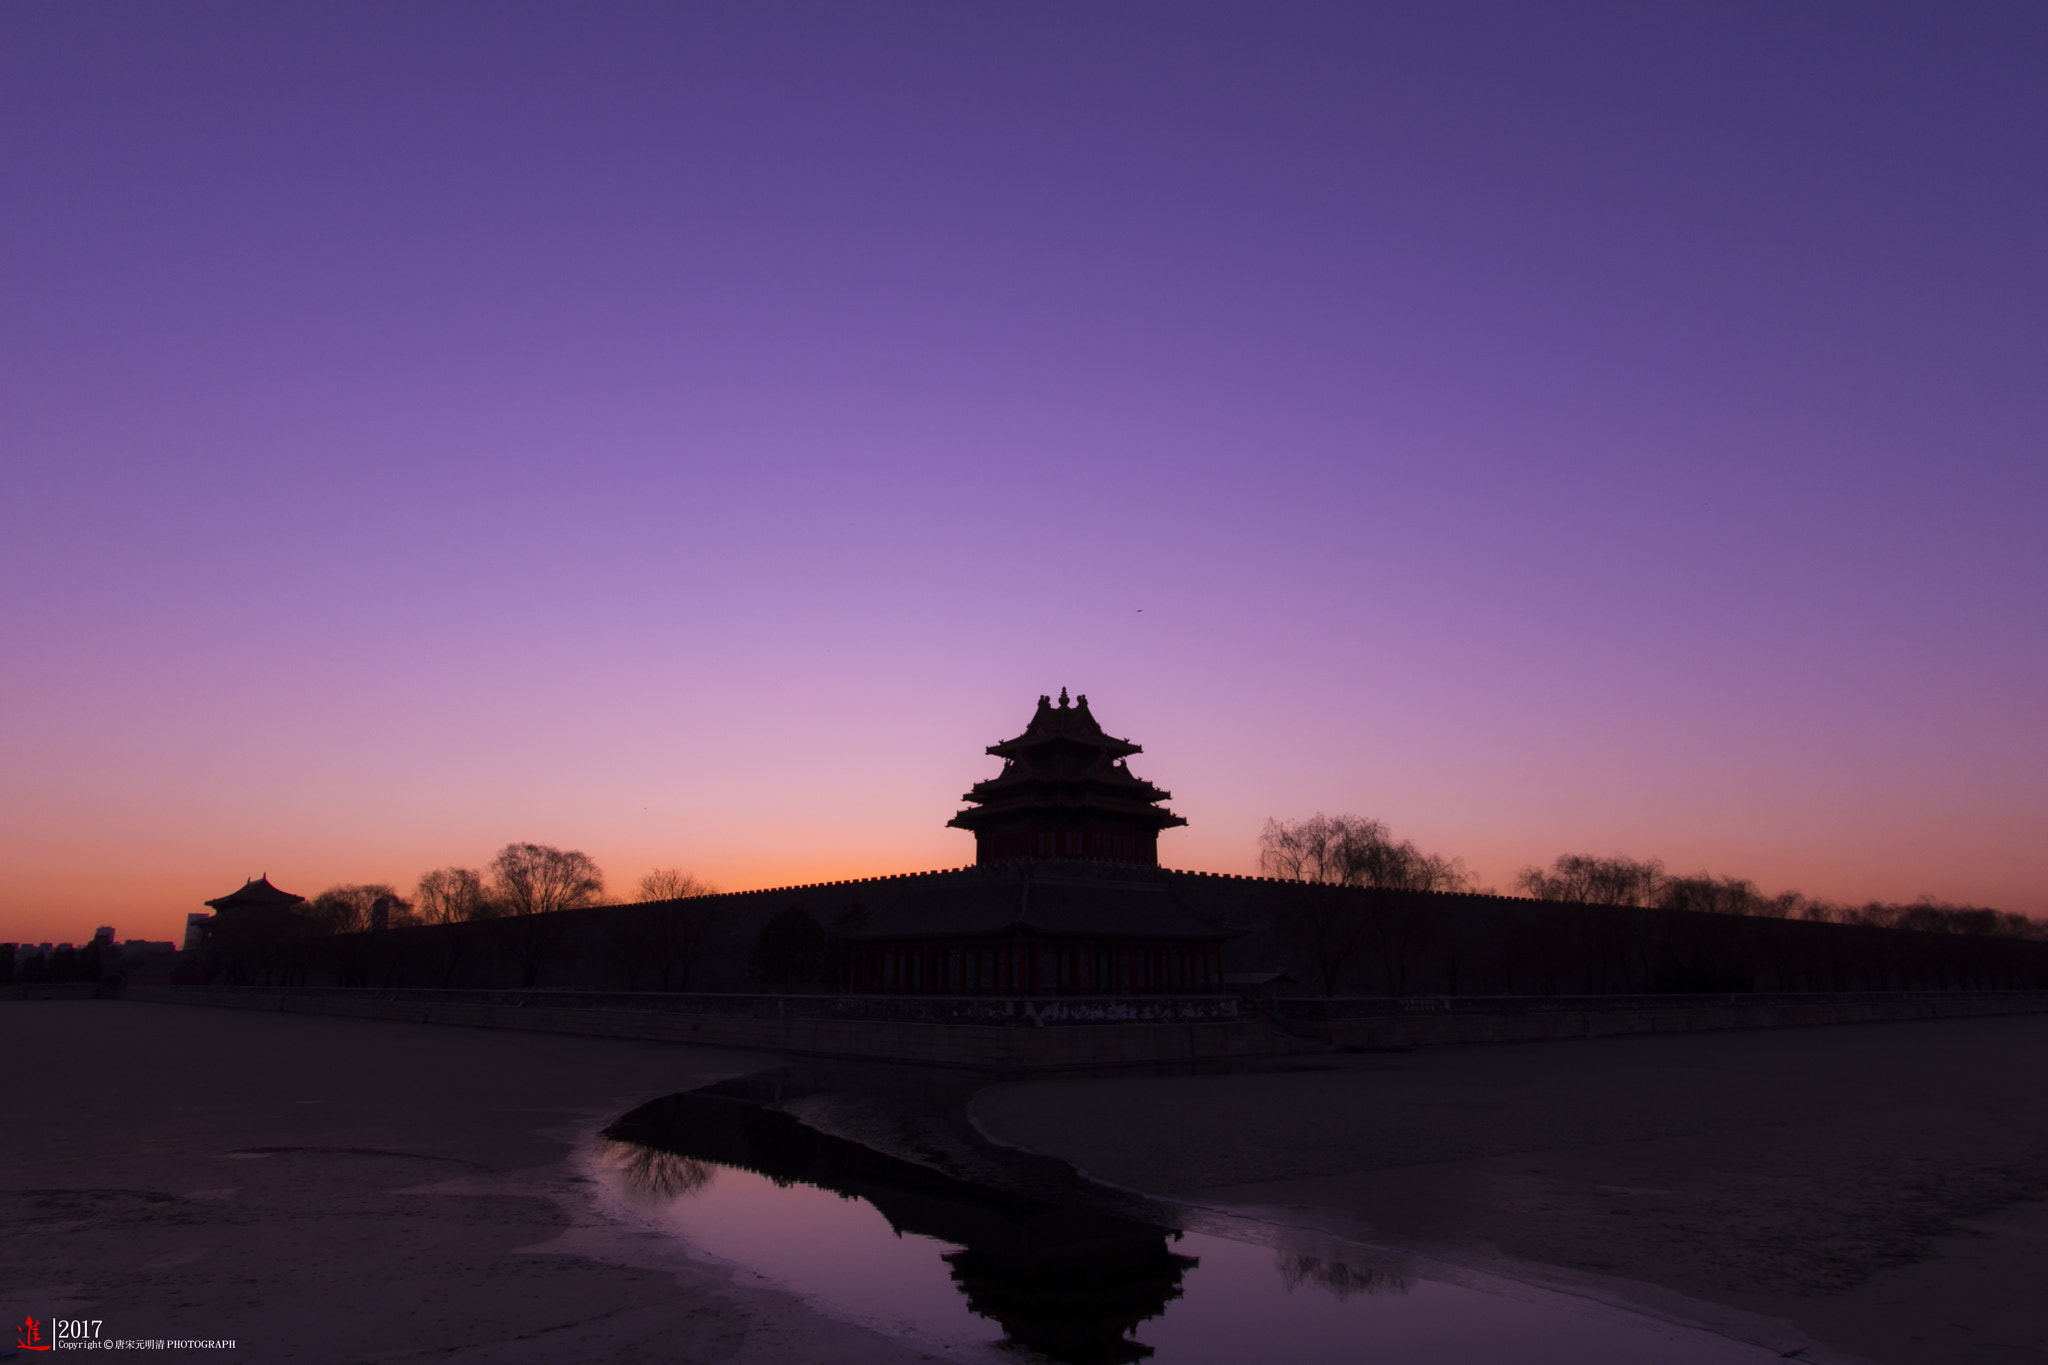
1066,791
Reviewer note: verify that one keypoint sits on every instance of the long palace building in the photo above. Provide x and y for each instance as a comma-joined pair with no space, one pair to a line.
1065,896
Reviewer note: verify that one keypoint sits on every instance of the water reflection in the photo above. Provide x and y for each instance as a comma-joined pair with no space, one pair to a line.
1335,1277
1069,1284
915,1253
652,1172
1076,1305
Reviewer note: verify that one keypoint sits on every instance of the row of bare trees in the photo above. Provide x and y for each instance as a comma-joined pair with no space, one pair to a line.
1332,929
1349,850
512,902
1625,881
1342,853
523,887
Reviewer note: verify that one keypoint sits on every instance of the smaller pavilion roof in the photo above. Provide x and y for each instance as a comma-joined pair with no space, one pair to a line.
256,894
1073,725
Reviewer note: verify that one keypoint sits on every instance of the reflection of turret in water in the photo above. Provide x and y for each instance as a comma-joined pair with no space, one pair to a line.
1077,1305
1067,1283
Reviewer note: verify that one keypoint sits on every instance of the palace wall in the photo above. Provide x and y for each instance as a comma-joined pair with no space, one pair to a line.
1320,941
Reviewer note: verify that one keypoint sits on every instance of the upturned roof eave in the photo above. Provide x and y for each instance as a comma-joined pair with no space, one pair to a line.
1149,815
255,895
999,789
1022,744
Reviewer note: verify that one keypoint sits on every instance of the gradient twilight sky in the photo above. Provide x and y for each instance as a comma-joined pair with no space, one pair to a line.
692,433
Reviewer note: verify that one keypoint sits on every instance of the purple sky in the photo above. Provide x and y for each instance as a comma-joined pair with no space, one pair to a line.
690,434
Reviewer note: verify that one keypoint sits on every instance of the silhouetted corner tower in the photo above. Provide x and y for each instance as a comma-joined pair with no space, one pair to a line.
257,894
1066,792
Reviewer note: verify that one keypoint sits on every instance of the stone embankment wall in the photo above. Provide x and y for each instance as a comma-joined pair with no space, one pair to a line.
1420,1021
58,990
1034,1036
1037,1038
998,1011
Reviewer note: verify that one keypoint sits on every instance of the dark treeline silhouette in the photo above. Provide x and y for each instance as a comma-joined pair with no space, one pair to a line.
1347,909
1375,915
1350,850
1336,853
97,960
1625,881
662,937
512,918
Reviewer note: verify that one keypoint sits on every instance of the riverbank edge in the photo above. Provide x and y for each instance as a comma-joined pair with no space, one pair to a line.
1079,1046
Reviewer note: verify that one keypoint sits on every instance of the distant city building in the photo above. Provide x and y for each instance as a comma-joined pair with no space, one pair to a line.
1066,791
195,931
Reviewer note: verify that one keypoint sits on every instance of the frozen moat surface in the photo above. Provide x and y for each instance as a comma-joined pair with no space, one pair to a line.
919,1254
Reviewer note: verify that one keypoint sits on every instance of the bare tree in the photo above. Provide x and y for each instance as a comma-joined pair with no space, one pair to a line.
674,924
1325,924
534,879
1624,881
670,884
1350,850
1596,881
1311,850
352,918
1711,895
451,897
1344,854
353,909
530,885
1930,916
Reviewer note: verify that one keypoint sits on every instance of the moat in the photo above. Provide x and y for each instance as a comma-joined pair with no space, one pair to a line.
968,1268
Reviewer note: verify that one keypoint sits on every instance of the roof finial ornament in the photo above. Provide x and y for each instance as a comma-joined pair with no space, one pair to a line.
1062,761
